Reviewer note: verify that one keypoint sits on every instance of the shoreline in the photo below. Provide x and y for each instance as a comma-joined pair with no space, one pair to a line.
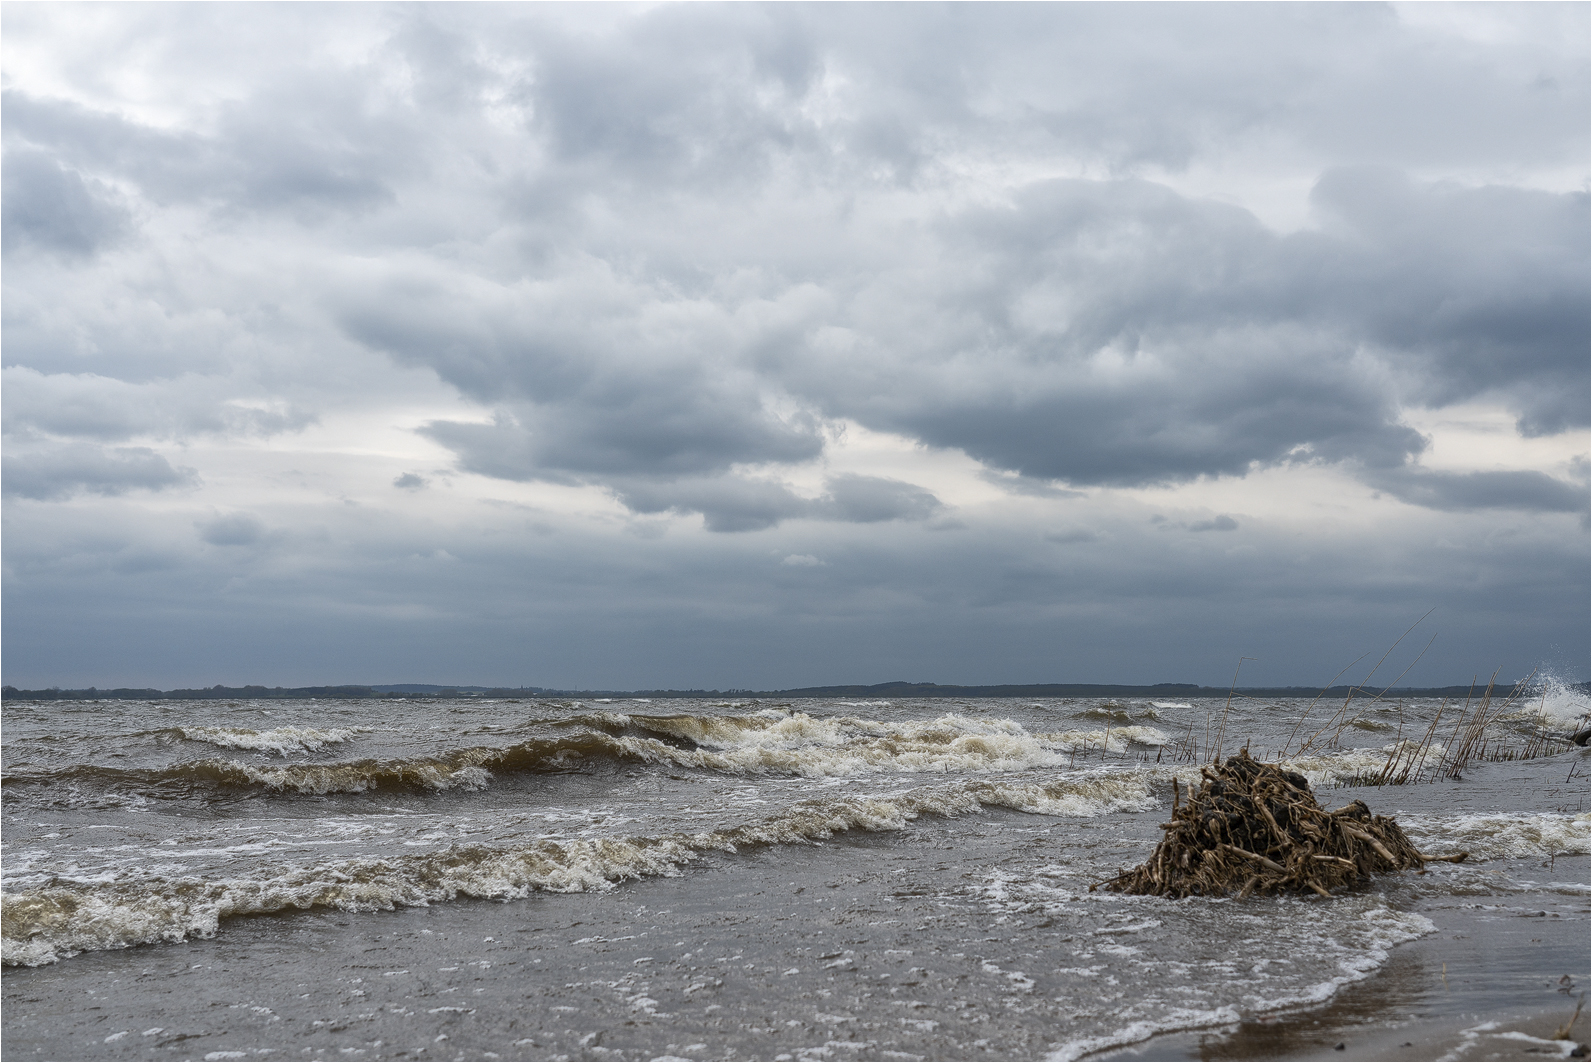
581,976
1483,986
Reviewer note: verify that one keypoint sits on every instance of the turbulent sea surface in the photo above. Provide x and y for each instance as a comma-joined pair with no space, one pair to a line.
546,878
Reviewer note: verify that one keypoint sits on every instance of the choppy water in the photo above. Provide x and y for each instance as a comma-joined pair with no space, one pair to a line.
137,823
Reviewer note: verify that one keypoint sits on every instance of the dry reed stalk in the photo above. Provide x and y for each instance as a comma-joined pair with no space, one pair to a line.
1283,753
1222,731
1340,717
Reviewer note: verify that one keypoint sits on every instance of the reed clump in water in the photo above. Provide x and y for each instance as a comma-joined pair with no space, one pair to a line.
1256,828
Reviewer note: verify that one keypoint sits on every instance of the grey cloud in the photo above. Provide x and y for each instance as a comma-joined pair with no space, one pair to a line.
732,503
881,92
1218,523
1018,484
237,529
1493,489
724,106
663,245
104,409
677,208
869,499
1116,333
1484,288
638,434
724,611
59,472
1094,332
307,144
410,481
594,374
727,503
53,208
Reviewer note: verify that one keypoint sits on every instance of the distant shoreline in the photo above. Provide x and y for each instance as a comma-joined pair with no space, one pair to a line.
878,690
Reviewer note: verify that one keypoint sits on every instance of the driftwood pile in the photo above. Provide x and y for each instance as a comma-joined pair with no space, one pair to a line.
1255,828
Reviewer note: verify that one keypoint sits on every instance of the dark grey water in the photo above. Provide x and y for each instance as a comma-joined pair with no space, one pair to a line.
822,879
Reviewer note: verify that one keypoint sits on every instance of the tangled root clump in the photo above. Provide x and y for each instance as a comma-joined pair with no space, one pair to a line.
1255,828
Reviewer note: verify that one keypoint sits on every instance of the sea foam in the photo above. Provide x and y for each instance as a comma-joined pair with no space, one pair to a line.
42,925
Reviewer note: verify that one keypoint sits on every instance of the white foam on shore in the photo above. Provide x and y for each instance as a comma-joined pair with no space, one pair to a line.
1358,945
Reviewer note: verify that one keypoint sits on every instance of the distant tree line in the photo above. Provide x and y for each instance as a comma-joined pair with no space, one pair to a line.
878,690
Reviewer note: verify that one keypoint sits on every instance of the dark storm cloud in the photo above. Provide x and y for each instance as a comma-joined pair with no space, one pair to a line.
576,609
62,471
685,273
737,504
732,503
1502,489
727,503
665,433
1117,333
593,374
1094,332
670,251
1469,290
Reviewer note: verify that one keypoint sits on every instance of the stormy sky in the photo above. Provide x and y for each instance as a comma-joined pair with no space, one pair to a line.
765,346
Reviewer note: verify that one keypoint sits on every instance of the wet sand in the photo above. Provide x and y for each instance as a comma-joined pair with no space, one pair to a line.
1488,985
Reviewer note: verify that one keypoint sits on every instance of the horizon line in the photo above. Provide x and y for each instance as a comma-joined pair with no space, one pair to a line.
896,688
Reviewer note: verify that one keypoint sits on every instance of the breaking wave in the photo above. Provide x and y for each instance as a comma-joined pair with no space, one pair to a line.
280,740
1498,836
1117,713
39,926
768,743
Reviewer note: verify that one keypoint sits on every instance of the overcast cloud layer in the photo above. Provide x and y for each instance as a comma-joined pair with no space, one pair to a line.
754,346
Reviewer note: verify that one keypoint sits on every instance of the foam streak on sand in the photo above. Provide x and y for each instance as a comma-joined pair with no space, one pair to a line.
1359,948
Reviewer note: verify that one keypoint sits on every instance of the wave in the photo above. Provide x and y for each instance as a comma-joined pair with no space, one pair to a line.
1347,766
798,744
1111,739
1119,713
1363,723
279,740
63,918
772,742
1559,704
1502,835
467,769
